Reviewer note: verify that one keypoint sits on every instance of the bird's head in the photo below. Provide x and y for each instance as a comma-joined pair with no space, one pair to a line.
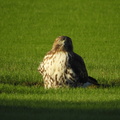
62,43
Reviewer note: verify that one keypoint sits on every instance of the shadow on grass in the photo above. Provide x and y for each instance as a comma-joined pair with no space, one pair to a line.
49,110
24,81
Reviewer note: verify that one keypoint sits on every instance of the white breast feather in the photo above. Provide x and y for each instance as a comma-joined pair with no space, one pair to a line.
56,70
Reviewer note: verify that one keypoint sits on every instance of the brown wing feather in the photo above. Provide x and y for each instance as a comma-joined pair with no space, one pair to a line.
78,66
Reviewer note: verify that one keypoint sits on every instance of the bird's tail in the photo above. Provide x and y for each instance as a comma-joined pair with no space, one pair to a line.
92,82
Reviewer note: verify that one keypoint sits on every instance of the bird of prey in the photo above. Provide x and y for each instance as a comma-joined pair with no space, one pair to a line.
62,67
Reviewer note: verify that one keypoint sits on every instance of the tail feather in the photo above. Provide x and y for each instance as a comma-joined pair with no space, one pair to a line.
95,82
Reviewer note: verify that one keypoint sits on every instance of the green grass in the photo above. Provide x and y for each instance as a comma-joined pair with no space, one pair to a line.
27,31
24,102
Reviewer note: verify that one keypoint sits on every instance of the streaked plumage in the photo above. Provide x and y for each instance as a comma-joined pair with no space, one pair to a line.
62,67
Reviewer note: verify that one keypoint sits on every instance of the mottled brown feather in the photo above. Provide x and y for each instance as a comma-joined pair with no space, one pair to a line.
62,67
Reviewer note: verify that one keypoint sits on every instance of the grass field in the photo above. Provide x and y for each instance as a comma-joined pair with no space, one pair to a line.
27,31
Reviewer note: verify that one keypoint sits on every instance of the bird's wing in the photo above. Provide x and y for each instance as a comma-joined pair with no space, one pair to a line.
77,64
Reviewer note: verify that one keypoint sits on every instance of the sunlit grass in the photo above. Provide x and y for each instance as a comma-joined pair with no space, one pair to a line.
19,95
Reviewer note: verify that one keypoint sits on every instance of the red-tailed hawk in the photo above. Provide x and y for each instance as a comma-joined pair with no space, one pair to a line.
62,67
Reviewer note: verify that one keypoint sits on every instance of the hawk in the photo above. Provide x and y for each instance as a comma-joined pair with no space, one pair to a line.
62,67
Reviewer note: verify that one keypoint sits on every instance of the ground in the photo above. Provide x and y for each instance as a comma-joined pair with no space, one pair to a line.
27,31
